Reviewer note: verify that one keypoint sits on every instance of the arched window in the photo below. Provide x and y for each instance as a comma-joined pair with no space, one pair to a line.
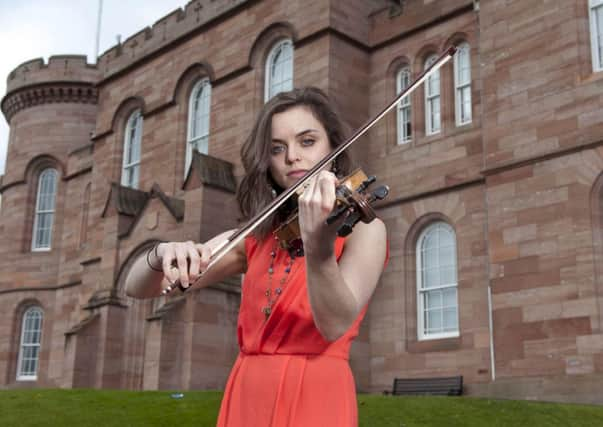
279,69
199,108
462,85
44,215
404,111
437,307
131,156
595,12
29,348
432,99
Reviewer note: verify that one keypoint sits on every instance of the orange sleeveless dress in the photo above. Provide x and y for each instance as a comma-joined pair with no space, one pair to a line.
286,373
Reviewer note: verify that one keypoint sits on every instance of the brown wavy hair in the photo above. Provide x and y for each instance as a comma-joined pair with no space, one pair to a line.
255,191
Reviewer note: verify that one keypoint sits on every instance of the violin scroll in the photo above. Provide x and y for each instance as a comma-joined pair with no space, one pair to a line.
357,204
351,200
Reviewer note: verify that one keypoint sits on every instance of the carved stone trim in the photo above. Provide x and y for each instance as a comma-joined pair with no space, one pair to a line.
170,305
48,93
127,201
41,288
82,324
212,171
96,302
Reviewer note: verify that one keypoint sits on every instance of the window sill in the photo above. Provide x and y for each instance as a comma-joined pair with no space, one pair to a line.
449,132
433,135
430,139
435,344
42,250
593,76
403,146
463,126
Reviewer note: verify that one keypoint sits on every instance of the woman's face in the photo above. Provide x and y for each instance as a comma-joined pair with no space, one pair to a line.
299,141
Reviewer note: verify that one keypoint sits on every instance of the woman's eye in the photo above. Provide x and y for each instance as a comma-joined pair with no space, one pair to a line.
307,141
276,149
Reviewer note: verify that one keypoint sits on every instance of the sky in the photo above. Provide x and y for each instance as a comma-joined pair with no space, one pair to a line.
32,29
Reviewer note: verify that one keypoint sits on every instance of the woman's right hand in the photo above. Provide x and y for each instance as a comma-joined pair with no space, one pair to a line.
183,262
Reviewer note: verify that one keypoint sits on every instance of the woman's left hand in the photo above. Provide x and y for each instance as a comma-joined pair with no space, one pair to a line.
315,204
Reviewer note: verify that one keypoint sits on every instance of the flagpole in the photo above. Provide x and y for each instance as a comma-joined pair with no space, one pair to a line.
98,30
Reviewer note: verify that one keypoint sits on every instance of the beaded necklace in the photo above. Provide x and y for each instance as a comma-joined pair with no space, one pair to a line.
272,295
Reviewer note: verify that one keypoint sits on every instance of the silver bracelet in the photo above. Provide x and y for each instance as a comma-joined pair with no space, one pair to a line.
154,250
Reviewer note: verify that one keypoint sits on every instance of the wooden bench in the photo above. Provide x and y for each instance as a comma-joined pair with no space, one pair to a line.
443,386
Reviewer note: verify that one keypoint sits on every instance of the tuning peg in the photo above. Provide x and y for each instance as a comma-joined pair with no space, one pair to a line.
362,187
380,193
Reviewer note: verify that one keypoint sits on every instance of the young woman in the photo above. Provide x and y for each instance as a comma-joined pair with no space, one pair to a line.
299,315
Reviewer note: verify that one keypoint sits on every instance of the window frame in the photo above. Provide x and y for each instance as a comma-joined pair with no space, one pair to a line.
429,98
402,136
38,211
38,344
422,335
461,87
268,83
128,178
596,40
198,91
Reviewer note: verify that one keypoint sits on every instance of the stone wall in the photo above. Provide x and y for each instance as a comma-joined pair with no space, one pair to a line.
520,186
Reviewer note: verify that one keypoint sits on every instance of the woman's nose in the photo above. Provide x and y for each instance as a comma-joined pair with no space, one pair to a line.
292,154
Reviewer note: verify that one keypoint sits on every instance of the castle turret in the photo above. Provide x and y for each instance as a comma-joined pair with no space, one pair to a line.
51,110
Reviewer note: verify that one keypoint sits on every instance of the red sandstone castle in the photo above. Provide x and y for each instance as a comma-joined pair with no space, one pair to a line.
495,216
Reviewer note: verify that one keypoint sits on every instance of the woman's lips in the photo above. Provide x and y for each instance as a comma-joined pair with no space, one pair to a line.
297,173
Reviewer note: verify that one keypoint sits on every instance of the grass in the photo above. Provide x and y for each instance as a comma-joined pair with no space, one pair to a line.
100,408
472,412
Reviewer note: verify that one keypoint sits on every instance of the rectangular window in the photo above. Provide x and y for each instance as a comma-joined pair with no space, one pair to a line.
437,299
198,127
462,84
29,351
404,110
279,70
432,100
44,215
132,149
596,33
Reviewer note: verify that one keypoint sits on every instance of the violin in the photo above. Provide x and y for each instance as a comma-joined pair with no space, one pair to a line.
351,201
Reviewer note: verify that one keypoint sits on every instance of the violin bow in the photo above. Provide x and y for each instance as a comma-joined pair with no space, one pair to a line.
223,248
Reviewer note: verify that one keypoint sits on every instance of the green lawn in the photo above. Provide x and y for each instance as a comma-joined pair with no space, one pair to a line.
101,408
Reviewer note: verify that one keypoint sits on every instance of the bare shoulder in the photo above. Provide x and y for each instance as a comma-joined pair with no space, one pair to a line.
373,234
367,243
363,259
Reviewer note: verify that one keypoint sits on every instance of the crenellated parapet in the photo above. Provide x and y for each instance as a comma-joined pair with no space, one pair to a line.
70,79
60,68
64,79
166,30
